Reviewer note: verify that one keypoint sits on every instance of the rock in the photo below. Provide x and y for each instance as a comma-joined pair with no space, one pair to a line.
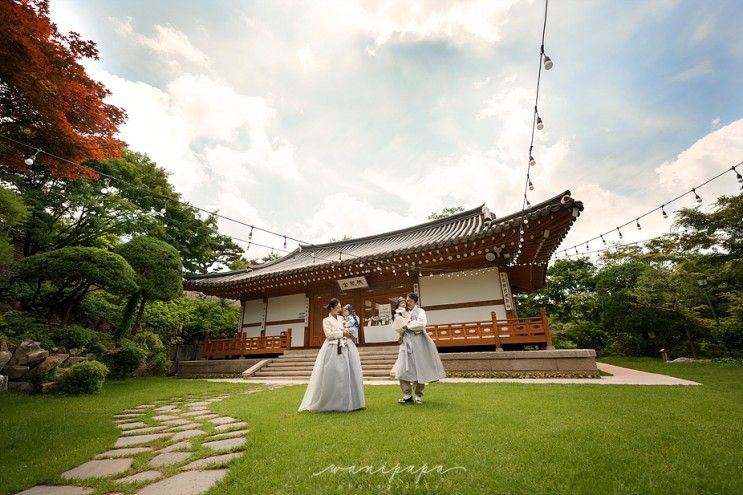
15,372
227,443
143,476
103,468
72,360
231,426
217,459
47,387
114,453
229,434
49,364
5,356
222,420
132,426
186,445
57,490
28,354
183,435
74,351
3,383
168,458
3,345
186,483
138,439
26,387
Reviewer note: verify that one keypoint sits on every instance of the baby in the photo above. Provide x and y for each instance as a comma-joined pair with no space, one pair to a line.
351,321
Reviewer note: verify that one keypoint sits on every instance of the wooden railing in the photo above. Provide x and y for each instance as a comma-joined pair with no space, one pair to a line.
241,345
512,331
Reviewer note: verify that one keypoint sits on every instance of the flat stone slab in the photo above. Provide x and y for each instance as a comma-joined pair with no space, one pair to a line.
231,426
122,452
132,426
206,416
186,445
140,431
182,435
169,458
143,476
176,422
227,443
128,415
56,490
192,413
166,408
222,420
216,459
139,439
98,469
188,426
186,483
164,417
196,404
229,434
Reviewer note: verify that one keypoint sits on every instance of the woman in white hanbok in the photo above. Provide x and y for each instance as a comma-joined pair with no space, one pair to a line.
337,383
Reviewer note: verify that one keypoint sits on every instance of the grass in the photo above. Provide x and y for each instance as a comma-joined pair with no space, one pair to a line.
43,436
494,438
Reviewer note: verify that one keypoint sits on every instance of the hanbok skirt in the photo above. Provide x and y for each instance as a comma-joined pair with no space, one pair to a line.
418,359
337,383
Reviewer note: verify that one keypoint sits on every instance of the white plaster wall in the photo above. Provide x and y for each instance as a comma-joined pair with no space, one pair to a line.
462,315
289,307
286,307
452,290
252,331
252,311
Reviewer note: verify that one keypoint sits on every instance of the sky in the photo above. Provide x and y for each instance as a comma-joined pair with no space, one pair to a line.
322,119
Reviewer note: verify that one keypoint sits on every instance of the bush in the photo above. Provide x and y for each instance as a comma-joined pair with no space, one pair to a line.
86,377
125,360
156,362
18,326
74,337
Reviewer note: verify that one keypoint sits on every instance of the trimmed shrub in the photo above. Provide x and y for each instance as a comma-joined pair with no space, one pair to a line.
125,360
157,362
86,377
74,337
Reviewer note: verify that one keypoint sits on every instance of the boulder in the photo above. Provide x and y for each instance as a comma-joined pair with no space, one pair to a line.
49,363
4,358
28,354
27,387
3,383
15,372
3,345
48,387
72,360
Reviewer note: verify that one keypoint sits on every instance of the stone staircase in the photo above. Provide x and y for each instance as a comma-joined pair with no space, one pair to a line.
376,362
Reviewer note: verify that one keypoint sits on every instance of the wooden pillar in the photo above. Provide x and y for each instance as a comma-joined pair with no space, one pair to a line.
546,325
496,332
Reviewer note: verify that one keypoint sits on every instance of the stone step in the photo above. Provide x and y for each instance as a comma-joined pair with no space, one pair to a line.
384,368
307,374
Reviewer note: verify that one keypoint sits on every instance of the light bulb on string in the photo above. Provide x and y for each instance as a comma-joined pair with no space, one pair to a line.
603,240
284,242
540,124
531,186
620,233
532,161
639,227
528,205
547,61
663,210
250,236
696,196
30,160
737,174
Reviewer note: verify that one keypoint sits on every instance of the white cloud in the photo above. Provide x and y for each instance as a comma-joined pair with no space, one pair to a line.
699,70
168,42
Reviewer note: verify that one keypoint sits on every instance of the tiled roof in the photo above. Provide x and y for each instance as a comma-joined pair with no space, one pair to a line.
466,226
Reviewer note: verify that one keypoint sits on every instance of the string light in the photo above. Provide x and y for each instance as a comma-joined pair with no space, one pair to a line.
250,236
603,240
547,61
531,186
31,159
620,233
540,124
696,196
663,210
639,227
532,161
284,242
737,174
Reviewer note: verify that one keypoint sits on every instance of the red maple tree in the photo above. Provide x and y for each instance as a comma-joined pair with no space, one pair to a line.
47,100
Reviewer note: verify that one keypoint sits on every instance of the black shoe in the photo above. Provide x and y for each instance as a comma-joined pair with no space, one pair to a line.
409,400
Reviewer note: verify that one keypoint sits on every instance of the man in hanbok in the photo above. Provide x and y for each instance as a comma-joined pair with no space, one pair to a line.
418,361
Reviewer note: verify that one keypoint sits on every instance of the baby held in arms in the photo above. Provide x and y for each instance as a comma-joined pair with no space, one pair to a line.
351,321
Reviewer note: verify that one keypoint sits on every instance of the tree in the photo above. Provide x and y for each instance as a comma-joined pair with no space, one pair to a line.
73,272
445,212
46,97
159,272
12,212
98,212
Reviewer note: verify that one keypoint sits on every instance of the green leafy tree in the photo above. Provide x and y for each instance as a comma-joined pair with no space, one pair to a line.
445,212
73,272
159,272
13,211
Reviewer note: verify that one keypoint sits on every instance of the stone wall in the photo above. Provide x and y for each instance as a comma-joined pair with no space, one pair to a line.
32,369
213,368
568,360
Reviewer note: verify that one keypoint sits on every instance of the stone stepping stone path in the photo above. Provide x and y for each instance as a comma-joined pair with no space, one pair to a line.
156,462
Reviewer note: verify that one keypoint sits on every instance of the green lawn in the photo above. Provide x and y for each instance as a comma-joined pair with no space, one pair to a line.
494,438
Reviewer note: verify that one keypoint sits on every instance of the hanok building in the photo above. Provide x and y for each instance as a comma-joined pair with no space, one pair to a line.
465,268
